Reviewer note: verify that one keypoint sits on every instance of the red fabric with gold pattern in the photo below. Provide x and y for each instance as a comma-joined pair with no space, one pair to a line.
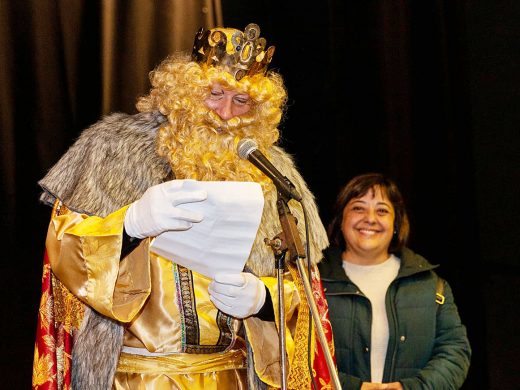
60,314
320,370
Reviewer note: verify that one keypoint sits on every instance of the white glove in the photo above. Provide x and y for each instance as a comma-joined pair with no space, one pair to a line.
157,210
239,295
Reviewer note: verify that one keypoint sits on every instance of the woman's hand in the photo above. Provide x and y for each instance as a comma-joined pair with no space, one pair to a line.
381,386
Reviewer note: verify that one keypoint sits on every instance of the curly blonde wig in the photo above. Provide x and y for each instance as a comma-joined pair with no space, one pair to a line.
198,144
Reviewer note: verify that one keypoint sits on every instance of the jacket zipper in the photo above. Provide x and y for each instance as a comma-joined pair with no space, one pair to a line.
351,336
395,335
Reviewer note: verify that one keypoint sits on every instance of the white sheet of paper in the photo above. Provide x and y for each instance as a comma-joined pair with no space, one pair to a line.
223,240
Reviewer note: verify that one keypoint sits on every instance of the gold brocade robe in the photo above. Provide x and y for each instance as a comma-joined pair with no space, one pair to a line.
109,166
165,307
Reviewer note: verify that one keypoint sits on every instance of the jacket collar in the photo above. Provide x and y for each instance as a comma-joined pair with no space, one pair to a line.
331,267
412,263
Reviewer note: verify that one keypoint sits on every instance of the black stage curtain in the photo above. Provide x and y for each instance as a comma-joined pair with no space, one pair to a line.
63,64
424,91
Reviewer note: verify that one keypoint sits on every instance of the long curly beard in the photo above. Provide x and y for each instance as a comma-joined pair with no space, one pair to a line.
203,147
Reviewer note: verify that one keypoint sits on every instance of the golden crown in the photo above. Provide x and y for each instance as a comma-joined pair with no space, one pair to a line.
239,53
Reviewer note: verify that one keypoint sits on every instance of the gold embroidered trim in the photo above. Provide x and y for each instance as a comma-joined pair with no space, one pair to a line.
226,332
190,325
299,377
68,309
187,303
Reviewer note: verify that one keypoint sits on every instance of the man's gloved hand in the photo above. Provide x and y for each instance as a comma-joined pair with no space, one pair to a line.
239,295
157,210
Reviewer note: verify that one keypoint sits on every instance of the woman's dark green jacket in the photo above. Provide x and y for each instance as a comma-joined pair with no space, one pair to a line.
427,347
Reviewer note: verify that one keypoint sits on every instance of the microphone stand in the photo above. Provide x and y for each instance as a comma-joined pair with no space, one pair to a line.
291,241
277,244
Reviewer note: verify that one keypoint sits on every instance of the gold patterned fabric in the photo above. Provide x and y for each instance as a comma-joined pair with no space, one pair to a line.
182,371
59,317
161,307
165,307
263,336
299,376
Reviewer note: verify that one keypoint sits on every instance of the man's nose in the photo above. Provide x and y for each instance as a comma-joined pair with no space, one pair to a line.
225,109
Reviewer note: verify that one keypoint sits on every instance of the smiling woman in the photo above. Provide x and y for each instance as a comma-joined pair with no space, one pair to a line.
368,226
389,330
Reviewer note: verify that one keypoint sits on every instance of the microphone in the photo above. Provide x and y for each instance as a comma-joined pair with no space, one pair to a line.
248,150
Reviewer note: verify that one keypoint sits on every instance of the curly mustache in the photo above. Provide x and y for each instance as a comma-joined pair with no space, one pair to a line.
218,125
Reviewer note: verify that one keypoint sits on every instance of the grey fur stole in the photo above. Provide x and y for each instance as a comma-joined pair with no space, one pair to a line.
110,165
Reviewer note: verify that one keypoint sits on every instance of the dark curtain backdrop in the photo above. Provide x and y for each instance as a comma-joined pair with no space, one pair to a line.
425,91
63,64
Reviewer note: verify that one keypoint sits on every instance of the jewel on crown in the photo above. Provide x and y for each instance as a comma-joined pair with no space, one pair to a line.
239,53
